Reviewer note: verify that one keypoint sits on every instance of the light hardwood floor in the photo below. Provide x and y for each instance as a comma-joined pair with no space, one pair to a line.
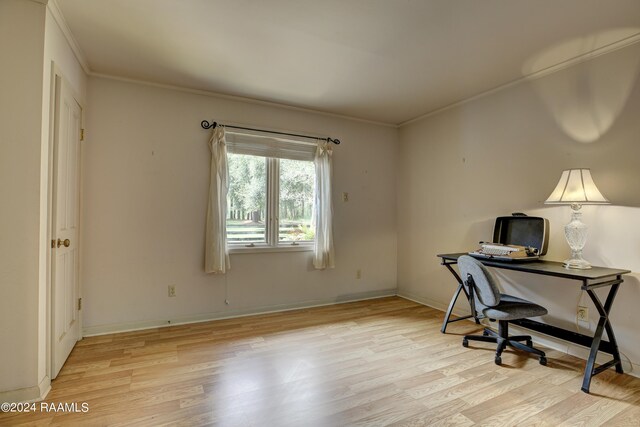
377,362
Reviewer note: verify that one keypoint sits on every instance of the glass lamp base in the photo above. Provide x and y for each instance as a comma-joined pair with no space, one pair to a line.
576,263
576,234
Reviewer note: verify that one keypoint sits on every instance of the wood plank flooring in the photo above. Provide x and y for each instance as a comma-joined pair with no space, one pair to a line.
371,363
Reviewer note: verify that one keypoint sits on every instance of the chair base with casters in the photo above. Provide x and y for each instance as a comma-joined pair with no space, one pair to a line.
503,340
485,298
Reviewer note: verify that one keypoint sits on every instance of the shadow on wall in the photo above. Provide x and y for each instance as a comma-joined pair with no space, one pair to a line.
589,86
586,100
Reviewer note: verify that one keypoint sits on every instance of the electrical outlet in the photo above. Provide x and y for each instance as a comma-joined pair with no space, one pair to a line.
358,274
583,313
172,290
345,197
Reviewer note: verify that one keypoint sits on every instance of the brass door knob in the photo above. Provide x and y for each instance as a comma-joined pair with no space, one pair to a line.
66,243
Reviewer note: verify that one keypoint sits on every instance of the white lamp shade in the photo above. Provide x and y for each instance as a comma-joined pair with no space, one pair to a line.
576,186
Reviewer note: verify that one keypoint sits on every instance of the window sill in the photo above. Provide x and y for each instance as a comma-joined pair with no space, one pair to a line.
260,249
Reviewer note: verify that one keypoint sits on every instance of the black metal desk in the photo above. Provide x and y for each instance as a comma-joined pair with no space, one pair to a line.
596,277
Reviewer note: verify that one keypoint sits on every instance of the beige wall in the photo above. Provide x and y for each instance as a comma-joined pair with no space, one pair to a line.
145,185
504,153
32,40
22,45
146,168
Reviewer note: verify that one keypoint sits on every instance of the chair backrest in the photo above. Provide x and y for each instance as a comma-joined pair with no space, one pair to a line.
486,285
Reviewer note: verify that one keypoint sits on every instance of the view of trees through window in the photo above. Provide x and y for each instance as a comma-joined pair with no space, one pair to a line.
296,200
247,199
248,194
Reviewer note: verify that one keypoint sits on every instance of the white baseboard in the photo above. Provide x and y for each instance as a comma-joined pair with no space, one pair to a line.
433,304
28,394
205,317
547,341
635,370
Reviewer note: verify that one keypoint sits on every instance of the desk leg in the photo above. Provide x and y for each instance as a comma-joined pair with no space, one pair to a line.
450,309
603,324
447,316
609,328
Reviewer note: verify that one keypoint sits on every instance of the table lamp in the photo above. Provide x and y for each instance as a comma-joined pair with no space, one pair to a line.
576,188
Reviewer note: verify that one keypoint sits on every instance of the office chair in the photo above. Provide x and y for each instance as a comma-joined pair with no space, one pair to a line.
485,298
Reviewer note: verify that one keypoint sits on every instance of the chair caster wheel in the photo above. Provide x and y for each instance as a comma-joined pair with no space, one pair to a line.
498,360
485,333
543,361
465,342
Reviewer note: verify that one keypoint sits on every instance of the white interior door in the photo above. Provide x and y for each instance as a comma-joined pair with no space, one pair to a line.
65,221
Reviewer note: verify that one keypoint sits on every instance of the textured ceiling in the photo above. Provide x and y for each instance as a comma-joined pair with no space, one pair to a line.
383,60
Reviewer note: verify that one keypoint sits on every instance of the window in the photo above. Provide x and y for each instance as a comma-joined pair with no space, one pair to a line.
261,188
271,193
295,207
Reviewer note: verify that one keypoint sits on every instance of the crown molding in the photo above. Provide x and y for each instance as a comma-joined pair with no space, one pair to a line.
240,98
60,20
64,27
617,45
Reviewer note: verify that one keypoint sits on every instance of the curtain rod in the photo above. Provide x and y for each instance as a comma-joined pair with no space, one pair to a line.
206,125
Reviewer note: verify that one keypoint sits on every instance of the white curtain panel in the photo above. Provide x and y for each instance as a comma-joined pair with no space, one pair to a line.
323,256
216,253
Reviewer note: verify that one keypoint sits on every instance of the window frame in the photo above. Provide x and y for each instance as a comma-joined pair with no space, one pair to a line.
272,221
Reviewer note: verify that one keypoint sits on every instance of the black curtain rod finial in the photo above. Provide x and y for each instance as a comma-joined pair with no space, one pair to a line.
206,125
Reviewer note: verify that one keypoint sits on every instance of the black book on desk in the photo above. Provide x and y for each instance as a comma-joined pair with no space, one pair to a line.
517,238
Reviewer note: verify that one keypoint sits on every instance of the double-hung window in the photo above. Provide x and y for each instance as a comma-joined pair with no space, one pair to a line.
271,193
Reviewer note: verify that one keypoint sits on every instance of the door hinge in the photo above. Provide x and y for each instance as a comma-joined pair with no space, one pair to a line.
81,134
79,304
